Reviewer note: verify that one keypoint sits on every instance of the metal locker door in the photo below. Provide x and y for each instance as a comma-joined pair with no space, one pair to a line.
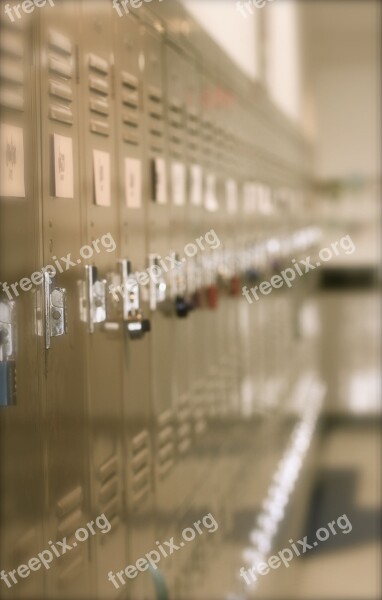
195,229
162,310
211,207
100,210
235,282
205,344
220,218
21,455
133,298
63,333
221,428
176,77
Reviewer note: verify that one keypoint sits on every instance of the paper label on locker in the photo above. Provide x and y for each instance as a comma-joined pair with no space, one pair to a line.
231,196
249,198
63,166
102,181
211,204
133,182
12,182
178,183
265,199
196,185
160,181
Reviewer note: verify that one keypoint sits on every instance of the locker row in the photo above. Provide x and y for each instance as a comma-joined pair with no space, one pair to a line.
123,136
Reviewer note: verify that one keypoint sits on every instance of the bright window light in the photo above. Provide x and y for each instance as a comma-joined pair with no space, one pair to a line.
283,68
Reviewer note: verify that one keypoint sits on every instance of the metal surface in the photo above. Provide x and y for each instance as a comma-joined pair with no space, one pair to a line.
21,471
160,401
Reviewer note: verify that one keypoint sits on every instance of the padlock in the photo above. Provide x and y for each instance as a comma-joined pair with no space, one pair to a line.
182,307
212,296
235,286
198,299
137,327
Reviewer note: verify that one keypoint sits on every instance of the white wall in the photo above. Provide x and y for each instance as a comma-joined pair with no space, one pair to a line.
235,34
283,56
348,120
344,79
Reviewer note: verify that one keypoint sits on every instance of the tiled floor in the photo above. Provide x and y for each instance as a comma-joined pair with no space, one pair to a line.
353,570
349,568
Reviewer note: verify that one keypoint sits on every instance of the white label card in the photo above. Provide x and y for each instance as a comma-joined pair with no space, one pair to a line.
196,185
249,198
133,182
178,183
12,183
160,181
102,181
63,166
231,196
211,204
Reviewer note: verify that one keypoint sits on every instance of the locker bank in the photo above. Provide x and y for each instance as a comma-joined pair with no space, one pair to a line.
181,258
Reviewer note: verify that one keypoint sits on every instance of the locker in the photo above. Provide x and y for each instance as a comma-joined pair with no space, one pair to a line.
138,429
211,206
232,195
21,417
100,214
64,431
197,325
156,196
181,295
228,278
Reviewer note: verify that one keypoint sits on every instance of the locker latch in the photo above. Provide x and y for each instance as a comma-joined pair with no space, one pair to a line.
158,285
136,325
210,276
95,301
8,385
179,289
54,309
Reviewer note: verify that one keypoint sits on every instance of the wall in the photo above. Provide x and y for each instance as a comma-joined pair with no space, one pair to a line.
344,81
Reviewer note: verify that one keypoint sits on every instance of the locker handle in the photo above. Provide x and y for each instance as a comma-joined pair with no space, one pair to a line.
8,380
54,310
136,325
95,298
158,286
130,294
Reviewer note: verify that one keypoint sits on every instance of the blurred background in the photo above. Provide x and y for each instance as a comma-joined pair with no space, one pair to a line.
267,415
320,62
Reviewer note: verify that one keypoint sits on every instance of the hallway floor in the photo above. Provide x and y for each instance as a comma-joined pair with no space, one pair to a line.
346,567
